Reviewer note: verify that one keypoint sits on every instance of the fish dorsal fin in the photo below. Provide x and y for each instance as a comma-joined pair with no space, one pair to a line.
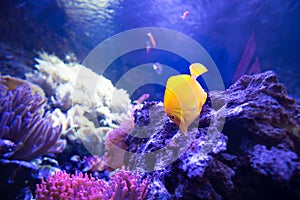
197,69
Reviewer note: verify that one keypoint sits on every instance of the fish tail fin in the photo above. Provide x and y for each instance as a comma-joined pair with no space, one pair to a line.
197,69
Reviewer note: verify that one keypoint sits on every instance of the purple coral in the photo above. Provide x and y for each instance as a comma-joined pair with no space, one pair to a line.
22,122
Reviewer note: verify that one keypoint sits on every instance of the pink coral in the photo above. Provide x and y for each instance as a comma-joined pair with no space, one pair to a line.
128,185
93,163
123,185
115,145
78,186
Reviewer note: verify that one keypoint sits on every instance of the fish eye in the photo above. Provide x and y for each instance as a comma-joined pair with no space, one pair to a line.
172,117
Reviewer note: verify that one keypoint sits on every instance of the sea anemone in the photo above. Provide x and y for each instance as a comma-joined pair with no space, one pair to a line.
22,121
123,185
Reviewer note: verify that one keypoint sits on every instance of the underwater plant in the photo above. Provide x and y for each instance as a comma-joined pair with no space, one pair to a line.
24,126
123,185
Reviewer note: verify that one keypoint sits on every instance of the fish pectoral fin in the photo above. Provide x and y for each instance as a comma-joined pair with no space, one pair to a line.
183,126
183,129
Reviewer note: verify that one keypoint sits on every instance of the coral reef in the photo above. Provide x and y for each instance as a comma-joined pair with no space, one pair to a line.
255,155
78,186
122,185
23,123
263,126
25,133
93,163
87,110
67,84
245,145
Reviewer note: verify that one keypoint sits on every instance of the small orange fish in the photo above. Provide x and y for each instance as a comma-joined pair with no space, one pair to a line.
148,47
142,98
157,68
152,40
185,14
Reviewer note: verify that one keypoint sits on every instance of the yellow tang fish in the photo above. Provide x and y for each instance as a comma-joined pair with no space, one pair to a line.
184,97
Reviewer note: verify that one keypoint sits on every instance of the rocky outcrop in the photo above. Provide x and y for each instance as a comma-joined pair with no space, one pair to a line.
254,156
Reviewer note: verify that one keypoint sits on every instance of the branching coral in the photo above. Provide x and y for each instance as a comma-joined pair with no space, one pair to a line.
123,185
22,122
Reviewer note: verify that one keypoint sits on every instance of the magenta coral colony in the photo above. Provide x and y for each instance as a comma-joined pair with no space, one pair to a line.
122,185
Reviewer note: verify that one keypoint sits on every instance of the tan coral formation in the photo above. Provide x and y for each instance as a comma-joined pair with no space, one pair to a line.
67,84
75,125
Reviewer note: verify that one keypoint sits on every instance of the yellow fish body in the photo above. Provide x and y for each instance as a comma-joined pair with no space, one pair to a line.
184,97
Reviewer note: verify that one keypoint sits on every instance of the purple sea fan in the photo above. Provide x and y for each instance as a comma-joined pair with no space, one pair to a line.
22,122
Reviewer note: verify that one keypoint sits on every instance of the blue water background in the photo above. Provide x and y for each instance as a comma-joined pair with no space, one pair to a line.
221,27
